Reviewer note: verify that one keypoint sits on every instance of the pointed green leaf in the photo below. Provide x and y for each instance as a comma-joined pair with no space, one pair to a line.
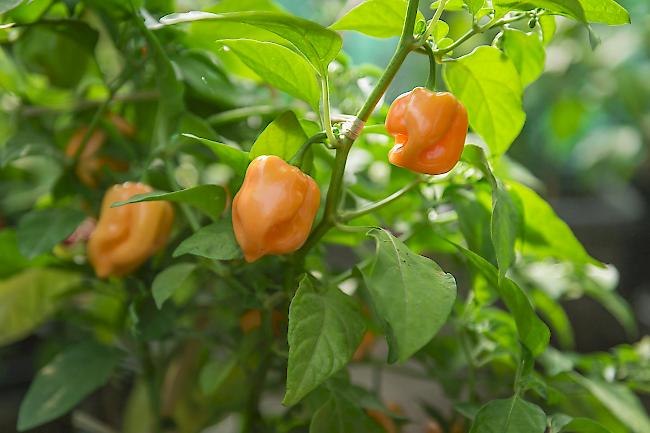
325,328
411,293
378,18
210,199
63,383
236,159
39,231
279,66
166,282
318,44
605,11
488,84
216,241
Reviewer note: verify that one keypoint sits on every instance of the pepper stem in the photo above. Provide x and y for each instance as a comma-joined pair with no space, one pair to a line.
298,158
431,81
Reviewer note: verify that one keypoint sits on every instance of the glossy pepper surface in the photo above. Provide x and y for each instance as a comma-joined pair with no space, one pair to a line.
429,130
126,236
274,210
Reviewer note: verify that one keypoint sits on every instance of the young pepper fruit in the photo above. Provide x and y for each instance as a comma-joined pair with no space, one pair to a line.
126,236
429,130
274,210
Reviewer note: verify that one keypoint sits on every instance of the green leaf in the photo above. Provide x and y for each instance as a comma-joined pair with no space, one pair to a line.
7,5
605,11
545,234
560,423
210,199
279,66
504,228
282,137
63,383
325,328
411,293
39,231
488,84
526,52
570,8
236,159
615,304
318,44
205,79
378,18
512,415
29,298
166,282
216,241
620,401
534,333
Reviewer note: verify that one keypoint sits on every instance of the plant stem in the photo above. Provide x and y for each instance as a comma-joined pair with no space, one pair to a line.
477,30
434,21
431,81
325,110
343,149
349,215
300,154
242,113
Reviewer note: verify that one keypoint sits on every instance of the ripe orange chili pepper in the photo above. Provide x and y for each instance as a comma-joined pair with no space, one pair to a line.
126,236
274,210
90,164
429,130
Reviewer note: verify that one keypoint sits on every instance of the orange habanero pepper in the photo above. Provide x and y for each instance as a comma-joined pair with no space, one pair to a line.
126,236
429,130
90,163
274,210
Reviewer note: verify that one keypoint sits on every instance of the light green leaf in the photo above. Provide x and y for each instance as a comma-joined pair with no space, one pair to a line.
526,52
29,298
411,293
39,231
282,137
378,18
560,423
488,84
512,415
621,402
605,11
474,5
59,386
166,282
545,234
279,66
236,159
210,199
325,328
205,79
533,333
318,44
216,241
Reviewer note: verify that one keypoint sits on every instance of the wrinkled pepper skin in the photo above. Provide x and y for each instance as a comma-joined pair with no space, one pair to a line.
429,130
275,208
126,236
